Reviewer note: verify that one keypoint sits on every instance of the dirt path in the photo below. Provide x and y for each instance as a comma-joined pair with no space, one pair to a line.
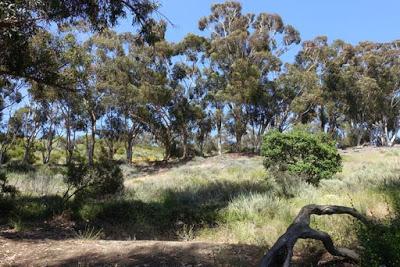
39,248
73,252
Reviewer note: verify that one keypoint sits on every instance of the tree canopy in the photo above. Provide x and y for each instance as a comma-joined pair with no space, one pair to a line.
221,91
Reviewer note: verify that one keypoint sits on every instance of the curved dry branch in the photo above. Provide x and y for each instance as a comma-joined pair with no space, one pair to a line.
281,252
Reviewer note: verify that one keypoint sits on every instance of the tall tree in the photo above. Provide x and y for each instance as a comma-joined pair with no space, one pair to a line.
245,51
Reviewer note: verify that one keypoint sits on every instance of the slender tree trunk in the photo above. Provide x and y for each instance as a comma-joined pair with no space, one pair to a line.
48,148
218,120
219,136
91,142
167,153
239,136
219,141
260,135
201,146
129,149
111,150
323,119
185,144
69,145
2,153
27,151
359,138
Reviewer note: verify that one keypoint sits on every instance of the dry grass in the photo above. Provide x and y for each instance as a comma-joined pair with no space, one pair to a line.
257,214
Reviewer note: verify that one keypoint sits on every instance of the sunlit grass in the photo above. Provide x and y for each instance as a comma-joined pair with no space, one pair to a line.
227,198
258,214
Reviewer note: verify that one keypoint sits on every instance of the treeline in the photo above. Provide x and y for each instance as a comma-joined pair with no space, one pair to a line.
224,89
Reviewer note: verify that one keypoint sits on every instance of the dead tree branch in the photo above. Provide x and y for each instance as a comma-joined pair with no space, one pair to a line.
281,252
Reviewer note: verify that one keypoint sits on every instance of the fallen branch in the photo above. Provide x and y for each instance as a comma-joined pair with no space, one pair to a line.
281,252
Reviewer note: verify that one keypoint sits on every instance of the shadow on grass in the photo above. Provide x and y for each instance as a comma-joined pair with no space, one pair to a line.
19,167
30,217
177,215
381,242
152,167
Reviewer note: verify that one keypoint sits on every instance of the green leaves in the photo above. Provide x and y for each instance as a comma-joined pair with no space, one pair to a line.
312,156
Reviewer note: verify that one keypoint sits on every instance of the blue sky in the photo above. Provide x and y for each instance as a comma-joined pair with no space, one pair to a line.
350,20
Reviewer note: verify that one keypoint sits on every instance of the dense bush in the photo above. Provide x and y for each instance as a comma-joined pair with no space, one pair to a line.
7,194
5,188
102,179
310,156
381,244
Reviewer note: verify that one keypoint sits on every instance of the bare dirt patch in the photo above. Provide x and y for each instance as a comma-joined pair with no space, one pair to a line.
72,252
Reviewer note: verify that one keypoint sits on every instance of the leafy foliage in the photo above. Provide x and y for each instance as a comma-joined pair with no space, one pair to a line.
102,179
311,156
381,244
5,188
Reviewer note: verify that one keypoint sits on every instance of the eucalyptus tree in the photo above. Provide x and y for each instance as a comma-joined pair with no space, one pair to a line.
378,66
158,91
28,55
51,118
9,96
81,104
354,85
121,73
112,131
245,51
28,121
189,97
203,132
330,64
8,136
21,20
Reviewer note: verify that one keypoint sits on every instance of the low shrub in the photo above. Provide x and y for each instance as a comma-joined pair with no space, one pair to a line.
7,195
102,179
5,188
311,157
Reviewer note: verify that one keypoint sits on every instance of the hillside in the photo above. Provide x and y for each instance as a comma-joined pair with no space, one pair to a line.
205,212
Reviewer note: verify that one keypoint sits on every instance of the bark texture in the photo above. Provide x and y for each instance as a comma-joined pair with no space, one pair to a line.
281,252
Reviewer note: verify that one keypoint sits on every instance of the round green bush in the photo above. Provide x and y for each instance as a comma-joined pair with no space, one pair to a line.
310,156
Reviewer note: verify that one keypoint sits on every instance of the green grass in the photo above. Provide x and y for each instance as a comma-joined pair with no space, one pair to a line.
247,206
226,198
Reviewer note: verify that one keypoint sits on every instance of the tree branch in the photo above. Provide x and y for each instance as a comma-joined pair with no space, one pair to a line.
280,253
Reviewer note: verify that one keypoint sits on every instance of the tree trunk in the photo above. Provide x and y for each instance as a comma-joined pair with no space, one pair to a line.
281,252
27,151
359,138
185,144
219,141
129,150
111,150
92,140
323,119
2,153
239,142
219,130
201,146
48,148
167,152
69,146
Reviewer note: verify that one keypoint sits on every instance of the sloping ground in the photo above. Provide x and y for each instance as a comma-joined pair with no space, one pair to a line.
253,218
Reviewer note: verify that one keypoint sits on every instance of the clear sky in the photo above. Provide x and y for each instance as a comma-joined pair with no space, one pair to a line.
350,20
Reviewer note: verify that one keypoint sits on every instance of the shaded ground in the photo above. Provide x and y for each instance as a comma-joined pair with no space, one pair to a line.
56,243
70,252
17,250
